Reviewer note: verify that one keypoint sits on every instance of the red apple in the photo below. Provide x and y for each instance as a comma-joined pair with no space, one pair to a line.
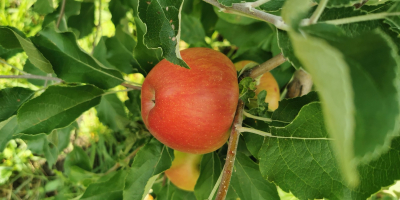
265,82
191,110
185,170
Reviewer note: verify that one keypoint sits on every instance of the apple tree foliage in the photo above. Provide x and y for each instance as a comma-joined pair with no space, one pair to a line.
340,141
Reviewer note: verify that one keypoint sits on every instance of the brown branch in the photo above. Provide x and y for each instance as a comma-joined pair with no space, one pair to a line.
300,85
61,13
237,123
30,76
231,155
135,87
265,67
243,9
126,160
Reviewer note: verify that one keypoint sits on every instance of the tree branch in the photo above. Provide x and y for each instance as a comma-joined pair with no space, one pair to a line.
61,13
135,87
266,66
30,76
230,156
237,124
127,159
245,10
300,85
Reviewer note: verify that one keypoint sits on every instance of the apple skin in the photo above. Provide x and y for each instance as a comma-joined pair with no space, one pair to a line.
191,110
185,170
265,82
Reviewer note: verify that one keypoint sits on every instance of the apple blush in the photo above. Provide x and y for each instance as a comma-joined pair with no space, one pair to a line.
191,110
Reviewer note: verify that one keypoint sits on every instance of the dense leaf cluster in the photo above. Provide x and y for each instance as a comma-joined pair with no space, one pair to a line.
340,141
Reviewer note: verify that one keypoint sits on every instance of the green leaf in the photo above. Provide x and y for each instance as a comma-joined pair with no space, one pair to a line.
118,11
163,28
394,21
11,99
246,89
273,5
371,125
294,105
84,22
31,69
111,112
262,107
210,170
39,144
239,34
152,159
61,137
56,107
43,7
72,8
77,157
247,181
192,30
72,64
125,37
11,38
337,99
298,163
110,189
119,56
147,58
7,129
134,103
171,192
341,3
8,53
294,11
287,49
233,18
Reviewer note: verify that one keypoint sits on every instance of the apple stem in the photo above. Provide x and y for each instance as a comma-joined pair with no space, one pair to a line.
300,85
256,117
266,134
243,9
266,66
231,154
126,160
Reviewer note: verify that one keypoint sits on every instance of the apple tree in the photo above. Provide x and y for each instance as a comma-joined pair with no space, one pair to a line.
68,64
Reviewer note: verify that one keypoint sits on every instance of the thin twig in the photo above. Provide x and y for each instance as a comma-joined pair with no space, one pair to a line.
61,13
30,76
241,8
116,91
257,117
317,13
126,160
14,67
135,87
266,134
267,66
361,18
230,156
98,27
